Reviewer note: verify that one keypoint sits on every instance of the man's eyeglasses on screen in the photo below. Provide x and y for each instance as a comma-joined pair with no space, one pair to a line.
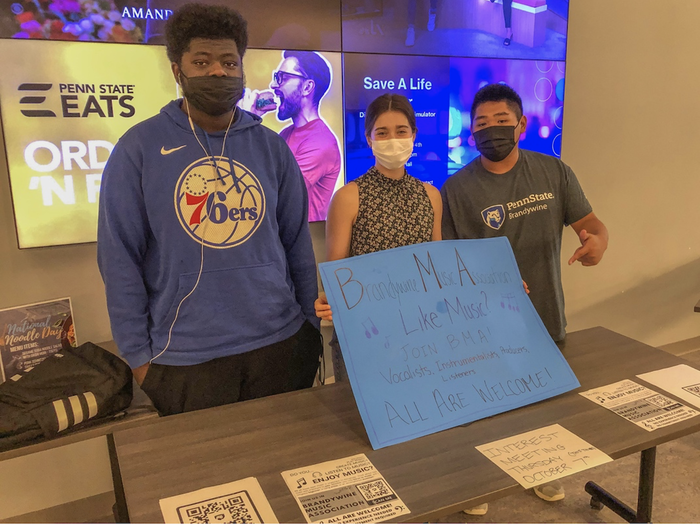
280,77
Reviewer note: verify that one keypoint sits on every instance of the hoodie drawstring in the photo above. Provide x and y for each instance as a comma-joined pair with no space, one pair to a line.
236,180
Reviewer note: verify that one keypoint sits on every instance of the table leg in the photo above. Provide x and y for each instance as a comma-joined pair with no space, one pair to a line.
121,512
645,492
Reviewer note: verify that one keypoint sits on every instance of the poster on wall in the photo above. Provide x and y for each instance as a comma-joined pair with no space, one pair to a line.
64,107
32,332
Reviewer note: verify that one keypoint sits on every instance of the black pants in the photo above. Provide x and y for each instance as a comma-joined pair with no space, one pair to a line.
285,366
508,12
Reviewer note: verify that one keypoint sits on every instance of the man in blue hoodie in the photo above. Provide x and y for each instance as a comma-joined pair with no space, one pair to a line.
203,241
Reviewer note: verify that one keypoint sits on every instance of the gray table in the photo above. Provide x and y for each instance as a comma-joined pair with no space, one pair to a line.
434,475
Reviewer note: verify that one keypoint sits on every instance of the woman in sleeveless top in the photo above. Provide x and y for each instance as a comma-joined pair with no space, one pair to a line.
386,207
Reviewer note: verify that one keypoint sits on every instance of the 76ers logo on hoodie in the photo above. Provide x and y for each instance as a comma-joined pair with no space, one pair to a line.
219,202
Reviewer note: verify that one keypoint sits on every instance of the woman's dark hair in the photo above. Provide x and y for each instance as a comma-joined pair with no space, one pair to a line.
389,102
212,22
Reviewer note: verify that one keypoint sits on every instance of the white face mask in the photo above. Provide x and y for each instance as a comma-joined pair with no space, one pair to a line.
393,153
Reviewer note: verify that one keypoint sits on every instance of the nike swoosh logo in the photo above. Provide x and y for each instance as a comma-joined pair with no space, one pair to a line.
164,151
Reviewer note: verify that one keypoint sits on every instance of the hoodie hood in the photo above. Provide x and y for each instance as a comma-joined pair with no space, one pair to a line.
243,119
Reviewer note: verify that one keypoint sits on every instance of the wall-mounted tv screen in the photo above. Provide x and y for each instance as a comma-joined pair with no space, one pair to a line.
277,24
539,83
67,103
426,83
530,29
64,107
441,91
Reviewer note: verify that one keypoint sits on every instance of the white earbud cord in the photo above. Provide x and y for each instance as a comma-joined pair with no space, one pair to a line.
217,176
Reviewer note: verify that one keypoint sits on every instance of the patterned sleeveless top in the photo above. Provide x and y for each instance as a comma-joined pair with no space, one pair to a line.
392,213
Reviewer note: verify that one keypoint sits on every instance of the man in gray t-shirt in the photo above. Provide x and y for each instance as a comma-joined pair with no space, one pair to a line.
530,204
526,196
529,198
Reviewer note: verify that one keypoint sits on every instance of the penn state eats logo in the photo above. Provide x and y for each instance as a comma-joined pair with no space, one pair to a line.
219,202
494,216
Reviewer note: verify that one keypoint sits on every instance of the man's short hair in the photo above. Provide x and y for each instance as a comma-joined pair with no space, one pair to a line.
498,93
212,22
312,65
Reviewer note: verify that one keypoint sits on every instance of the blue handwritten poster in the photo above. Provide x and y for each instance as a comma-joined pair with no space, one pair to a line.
438,334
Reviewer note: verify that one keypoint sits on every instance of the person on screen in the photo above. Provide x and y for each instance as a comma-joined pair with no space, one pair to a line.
507,20
299,83
202,226
384,208
536,196
411,17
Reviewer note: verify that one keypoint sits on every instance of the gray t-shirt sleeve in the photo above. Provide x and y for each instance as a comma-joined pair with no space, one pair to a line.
449,232
576,205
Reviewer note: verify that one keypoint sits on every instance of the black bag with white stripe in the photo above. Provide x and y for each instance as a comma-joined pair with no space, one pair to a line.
73,388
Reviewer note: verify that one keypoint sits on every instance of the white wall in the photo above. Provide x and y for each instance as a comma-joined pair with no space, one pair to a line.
53,477
631,128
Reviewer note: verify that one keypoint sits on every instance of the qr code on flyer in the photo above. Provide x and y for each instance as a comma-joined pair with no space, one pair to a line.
235,507
661,401
376,492
693,390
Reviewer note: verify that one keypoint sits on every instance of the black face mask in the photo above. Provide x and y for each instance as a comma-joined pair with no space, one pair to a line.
213,95
495,142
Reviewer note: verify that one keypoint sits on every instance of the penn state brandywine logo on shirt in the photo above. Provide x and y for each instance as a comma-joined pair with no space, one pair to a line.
494,216
219,202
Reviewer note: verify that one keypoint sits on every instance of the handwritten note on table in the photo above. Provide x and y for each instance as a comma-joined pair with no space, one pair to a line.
543,455
439,334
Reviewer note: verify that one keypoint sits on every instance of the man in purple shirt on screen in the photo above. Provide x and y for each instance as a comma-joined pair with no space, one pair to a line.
299,84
